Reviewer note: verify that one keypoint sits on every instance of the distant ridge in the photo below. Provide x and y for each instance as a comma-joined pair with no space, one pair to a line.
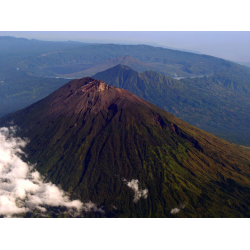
210,103
81,70
165,61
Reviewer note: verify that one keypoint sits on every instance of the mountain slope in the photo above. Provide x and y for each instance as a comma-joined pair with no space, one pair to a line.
99,142
149,85
218,104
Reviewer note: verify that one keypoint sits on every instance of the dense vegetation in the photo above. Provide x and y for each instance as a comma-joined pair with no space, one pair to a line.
117,136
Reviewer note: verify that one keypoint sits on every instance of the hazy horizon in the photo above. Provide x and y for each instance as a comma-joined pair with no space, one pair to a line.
230,45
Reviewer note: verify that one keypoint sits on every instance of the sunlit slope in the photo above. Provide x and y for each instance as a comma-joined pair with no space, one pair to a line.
90,137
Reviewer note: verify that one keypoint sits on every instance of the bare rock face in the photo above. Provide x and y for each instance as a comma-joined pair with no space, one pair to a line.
85,96
93,86
81,96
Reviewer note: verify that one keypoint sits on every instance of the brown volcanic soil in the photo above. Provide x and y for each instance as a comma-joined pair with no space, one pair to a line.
85,96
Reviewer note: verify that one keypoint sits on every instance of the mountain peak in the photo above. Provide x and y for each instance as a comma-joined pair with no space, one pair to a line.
86,84
85,95
121,66
92,85
81,97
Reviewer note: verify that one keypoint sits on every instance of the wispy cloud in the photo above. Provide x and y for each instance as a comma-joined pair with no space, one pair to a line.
178,209
22,188
139,193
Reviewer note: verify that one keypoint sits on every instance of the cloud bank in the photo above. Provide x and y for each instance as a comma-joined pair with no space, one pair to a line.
22,188
139,193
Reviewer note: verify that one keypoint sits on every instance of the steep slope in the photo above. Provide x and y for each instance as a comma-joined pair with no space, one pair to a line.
150,85
218,104
104,144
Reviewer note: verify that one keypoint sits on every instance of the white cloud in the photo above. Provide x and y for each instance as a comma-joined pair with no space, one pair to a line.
139,193
175,210
178,209
22,188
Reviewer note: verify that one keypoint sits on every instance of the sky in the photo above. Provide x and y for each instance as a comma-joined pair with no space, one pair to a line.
231,45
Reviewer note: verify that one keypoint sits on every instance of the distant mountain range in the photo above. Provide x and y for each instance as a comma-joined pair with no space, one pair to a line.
244,63
131,158
80,70
165,61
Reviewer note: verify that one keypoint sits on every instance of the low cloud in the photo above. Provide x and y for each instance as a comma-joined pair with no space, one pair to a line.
175,210
22,188
178,209
139,193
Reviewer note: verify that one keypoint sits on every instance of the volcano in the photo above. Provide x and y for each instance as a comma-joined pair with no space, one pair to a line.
133,159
